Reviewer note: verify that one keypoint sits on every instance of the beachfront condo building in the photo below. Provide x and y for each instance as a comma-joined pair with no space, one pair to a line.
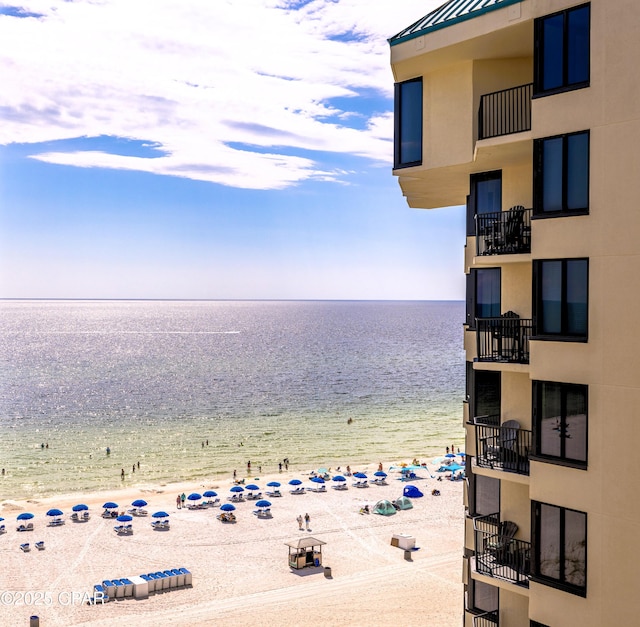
528,113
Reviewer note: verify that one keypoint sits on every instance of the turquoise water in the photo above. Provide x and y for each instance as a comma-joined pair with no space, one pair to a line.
320,383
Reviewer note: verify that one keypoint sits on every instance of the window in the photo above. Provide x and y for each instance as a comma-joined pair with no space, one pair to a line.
560,547
482,597
560,298
485,197
483,294
561,175
560,421
562,51
408,124
484,495
486,397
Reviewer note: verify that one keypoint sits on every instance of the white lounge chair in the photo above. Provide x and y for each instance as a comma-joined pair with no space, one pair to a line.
25,547
40,545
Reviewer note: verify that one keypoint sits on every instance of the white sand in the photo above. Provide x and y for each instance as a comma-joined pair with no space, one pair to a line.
240,571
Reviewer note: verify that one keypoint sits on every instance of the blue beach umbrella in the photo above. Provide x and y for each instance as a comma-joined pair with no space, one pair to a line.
263,503
194,496
379,473
55,512
273,484
139,503
110,505
124,518
1,518
252,487
80,507
450,455
339,479
237,488
295,482
209,493
359,475
160,515
25,516
227,507
317,479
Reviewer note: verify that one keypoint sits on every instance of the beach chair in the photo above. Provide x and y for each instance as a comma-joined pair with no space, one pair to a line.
25,547
128,528
75,517
156,524
298,490
500,543
21,528
118,528
40,545
29,526
3,529
86,516
165,524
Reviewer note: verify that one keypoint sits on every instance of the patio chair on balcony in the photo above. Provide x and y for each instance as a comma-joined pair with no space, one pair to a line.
499,545
501,447
514,229
506,337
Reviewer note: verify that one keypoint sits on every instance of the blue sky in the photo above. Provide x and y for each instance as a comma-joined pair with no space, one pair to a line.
210,149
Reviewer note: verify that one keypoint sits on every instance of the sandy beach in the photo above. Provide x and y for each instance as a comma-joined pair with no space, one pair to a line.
240,571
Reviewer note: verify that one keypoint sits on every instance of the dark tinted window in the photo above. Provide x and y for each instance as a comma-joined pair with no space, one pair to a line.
408,123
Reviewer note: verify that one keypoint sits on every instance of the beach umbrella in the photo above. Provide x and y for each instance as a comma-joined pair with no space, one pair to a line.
139,503
160,515
25,516
124,518
237,488
317,479
359,475
110,505
339,479
194,496
295,482
252,487
450,455
55,512
209,493
273,484
227,507
379,473
263,503
1,518
80,507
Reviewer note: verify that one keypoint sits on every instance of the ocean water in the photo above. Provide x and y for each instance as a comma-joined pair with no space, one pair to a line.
322,383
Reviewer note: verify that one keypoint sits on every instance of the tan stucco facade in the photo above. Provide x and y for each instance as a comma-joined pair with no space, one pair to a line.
458,64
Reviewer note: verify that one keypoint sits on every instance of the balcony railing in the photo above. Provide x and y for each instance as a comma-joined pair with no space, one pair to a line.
488,619
504,339
503,448
505,112
504,232
499,555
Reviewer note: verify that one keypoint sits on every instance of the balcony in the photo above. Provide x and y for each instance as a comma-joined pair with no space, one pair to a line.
505,112
498,553
504,232
504,339
503,447
488,619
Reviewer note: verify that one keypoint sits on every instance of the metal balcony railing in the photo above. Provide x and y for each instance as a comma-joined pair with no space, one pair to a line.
505,112
504,339
488,619
504,232
498,554
503,448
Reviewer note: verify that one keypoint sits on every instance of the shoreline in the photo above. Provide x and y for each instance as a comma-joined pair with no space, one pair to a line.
240,571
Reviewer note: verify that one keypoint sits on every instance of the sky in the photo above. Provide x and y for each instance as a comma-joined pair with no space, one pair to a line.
210,149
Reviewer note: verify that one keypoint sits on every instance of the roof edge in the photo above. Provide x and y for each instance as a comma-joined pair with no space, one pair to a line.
461,18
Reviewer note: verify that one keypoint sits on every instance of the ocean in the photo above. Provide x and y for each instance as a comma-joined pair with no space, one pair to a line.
195,389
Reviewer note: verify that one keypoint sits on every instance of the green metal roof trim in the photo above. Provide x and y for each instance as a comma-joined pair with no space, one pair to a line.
452,12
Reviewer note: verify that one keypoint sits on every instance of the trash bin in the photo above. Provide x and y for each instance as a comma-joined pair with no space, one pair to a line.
34,621
407,556
327,572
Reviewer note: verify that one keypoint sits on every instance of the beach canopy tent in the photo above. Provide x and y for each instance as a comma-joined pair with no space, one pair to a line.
384,507
305,552
412,491
404,502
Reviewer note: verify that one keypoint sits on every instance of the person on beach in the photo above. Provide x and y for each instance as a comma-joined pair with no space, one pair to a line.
299,519
307,520
380,466
249,466
280,467
183,498
122,474
235,474
134,468
178,502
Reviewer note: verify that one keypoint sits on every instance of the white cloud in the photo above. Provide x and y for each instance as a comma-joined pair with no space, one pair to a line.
200,77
